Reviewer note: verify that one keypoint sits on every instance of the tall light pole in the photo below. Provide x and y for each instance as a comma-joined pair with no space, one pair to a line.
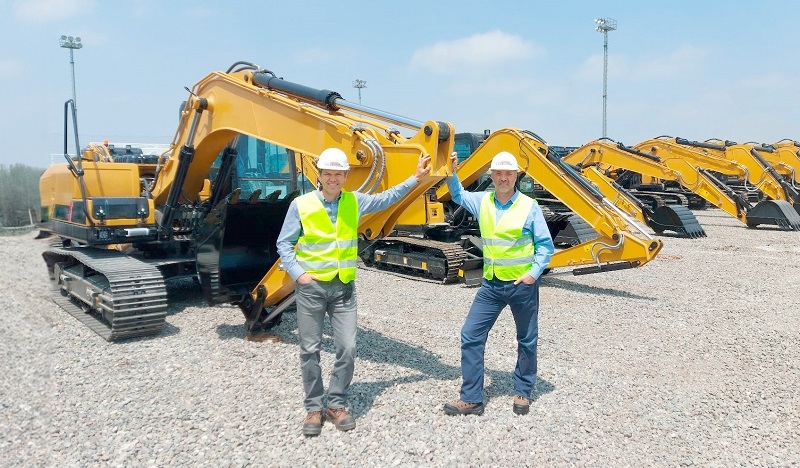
604,25
71,43
359,84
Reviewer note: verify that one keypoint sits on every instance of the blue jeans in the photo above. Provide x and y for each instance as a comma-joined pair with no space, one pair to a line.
314,300
492,297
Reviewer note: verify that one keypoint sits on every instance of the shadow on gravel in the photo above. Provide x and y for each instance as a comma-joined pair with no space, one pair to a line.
502,386
376,347
168,330
576,287
183,293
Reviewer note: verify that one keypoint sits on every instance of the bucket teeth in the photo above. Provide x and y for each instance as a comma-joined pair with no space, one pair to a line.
678,219
775,212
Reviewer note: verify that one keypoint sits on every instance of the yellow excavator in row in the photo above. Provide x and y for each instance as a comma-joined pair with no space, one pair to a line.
214,204
778,201
664,160
786,153
453,249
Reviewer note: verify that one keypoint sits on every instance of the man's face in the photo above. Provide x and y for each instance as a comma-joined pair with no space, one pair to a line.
504,182
332,182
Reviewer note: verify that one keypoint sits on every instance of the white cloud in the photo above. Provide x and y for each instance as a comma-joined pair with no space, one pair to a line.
680,63
46,11
769,81
10,68
683,62
480,50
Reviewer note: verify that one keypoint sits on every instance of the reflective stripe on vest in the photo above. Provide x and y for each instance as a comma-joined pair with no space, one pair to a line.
506,254
325,250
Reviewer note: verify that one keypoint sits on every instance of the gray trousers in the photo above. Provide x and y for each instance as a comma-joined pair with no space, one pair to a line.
313,301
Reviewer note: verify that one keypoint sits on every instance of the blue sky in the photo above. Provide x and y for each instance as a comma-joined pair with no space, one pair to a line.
695,69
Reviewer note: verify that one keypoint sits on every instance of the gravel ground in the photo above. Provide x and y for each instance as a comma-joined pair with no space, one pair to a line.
689,360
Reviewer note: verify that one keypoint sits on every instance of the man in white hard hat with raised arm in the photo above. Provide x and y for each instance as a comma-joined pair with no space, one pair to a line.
323,224
516,249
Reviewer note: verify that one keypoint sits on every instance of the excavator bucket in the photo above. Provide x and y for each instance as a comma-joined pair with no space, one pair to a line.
776,212
239,246
678,219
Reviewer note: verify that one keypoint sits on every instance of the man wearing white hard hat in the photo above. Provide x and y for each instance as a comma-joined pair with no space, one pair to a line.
323,225
516,249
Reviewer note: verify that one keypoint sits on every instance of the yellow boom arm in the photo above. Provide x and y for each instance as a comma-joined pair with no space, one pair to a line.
622,242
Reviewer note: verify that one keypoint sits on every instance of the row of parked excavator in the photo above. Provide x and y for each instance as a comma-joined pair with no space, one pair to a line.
211,206
658,182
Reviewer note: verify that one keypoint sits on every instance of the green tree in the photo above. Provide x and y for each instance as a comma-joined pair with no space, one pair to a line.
19,194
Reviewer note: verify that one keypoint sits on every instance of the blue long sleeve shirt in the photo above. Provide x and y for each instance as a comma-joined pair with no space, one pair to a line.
535,224
292,227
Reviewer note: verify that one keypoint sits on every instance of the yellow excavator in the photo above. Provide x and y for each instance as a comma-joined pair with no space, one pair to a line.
619,241
663,162
213,207
784,156
602,161
745,168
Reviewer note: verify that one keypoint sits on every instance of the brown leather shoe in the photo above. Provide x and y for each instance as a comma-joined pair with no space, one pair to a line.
312,426
341,418
521,405
462,407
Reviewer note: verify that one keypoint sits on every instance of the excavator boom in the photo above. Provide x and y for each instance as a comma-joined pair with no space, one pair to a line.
663,162
785,158
622,243
744,163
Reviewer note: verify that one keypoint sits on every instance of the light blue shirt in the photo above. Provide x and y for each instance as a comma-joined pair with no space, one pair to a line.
535,224
292,227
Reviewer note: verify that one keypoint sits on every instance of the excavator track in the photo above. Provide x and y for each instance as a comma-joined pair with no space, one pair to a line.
412,276
417,257
669,198
117,296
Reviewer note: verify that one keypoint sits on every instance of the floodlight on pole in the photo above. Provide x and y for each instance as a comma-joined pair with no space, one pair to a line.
359,84
71,43
604,25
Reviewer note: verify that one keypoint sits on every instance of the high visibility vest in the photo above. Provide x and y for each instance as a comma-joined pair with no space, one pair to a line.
507,255
325,250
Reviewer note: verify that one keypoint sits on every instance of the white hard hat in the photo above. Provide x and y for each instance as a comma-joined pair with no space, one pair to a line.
333,159
504,161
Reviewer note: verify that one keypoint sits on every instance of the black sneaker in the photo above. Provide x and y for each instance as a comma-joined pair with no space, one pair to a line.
462,407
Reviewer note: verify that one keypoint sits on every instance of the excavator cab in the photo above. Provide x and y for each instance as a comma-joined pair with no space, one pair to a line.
254,183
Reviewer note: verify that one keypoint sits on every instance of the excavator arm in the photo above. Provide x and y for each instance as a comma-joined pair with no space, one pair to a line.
784,156
606,155
748,166
223,106
760,173
622,243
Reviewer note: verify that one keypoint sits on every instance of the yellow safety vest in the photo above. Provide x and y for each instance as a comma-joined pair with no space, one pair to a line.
506,254
325,250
